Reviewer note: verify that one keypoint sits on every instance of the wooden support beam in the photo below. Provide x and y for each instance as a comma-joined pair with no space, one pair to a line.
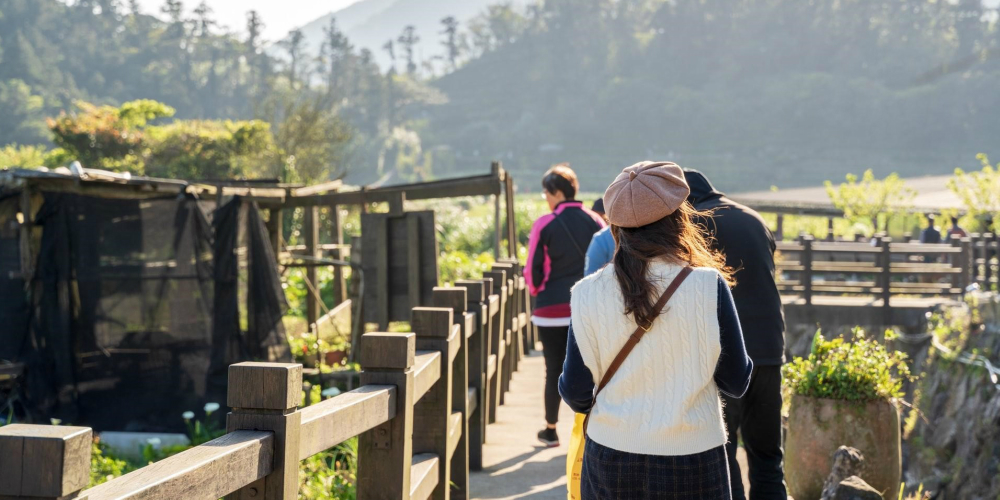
274,230
385,453
44,462
310,228
435,330
264,396
337,228
425,474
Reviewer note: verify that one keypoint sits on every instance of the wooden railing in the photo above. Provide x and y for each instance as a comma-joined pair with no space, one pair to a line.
885,268
420,414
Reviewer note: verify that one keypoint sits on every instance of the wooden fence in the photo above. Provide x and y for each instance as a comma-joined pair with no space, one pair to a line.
886,269
421,415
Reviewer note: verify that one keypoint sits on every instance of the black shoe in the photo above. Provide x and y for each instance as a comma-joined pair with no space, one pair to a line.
548,437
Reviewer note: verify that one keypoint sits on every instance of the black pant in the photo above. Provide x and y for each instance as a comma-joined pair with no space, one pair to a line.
554,349
757,416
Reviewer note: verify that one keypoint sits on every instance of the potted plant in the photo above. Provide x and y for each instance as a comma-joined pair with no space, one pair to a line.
844,393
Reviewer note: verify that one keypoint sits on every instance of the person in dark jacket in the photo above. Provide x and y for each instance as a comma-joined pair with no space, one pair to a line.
556,251
748,245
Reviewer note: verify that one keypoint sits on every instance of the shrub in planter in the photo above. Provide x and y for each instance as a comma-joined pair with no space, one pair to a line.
844,393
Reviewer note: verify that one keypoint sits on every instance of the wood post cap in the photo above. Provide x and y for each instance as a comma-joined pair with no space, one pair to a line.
432,321
265,386
475,289
453,298
388,351
44,460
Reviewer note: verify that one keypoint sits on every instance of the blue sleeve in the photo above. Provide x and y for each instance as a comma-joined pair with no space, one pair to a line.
576,384
599,253
732,374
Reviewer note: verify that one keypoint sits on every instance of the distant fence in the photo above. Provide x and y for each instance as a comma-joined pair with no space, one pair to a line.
886,269
421,415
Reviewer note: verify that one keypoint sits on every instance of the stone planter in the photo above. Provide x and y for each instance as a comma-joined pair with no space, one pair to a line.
817,427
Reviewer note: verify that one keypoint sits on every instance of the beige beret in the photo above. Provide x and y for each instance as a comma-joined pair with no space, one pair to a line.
645,193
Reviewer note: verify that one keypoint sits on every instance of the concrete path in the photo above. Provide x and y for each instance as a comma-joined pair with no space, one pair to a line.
515,465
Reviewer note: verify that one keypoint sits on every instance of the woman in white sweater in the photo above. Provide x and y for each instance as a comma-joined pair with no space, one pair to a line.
655,427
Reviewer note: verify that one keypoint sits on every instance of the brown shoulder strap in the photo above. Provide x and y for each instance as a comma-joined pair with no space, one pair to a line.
636,336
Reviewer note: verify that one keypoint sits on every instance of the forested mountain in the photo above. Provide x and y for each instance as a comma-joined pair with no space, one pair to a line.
372,23
321,114
757,92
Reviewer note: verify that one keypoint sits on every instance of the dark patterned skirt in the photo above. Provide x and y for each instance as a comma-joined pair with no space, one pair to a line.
617,475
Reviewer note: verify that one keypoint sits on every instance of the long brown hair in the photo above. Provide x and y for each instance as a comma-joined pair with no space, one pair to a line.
676,238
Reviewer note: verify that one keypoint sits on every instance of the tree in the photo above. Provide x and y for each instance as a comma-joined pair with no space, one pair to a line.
22,112
390,49
293,45
865,200
409,39
450,42
979,191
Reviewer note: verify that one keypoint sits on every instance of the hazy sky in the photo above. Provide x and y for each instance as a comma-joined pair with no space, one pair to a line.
280,16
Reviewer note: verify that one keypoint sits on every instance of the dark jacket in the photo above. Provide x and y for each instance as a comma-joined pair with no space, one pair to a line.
556,249
743,237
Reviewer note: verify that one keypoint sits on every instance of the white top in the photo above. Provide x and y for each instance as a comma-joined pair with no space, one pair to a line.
663,400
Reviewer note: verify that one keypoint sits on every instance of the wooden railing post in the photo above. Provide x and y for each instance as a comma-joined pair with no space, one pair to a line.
385,453
264,397
478,354
988,244
39,462
497,339
310,227
970,261
274,230
885,244
434,327
807,271
455,299
503,275
958,261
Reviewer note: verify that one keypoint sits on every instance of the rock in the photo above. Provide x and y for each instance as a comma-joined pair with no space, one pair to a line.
855,488
847,462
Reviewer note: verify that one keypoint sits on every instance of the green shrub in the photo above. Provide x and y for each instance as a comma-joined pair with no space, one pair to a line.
857,370
104,466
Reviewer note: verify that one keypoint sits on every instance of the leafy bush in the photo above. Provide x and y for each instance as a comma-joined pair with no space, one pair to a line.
856,370
332,474
105,466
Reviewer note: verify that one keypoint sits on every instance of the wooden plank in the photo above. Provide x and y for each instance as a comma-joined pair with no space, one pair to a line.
436,332
426,372
322,187
424,475
331,422
413,261
481,185
337,228
205,472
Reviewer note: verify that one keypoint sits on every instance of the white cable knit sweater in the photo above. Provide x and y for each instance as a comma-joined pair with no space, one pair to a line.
663,400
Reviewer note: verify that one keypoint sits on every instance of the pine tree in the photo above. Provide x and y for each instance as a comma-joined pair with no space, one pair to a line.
450,42
409,39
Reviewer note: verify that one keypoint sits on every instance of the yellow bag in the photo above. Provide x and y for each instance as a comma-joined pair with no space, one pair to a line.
574,458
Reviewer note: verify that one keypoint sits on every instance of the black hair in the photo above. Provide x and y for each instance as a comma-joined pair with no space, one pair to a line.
561,178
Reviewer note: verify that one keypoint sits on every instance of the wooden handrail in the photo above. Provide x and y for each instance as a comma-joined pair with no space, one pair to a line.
205,472
426,372
268,434
331,422
424,475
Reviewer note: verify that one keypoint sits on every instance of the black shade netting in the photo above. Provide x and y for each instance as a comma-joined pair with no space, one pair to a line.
14,310
128,330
